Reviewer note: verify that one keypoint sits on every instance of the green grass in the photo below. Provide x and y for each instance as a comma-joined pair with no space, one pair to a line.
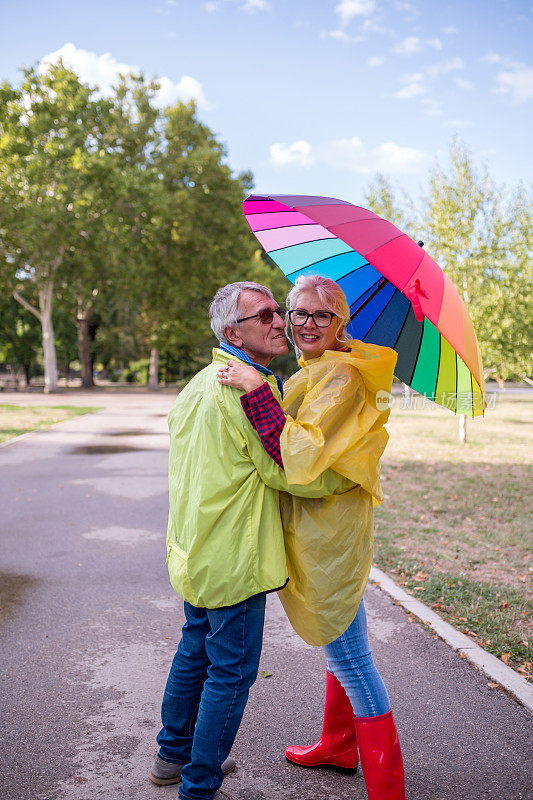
16,420
455,526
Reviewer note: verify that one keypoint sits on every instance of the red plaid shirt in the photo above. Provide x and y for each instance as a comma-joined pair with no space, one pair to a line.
266,416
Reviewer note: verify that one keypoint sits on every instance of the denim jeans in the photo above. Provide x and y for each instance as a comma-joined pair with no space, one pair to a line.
207,689
349,658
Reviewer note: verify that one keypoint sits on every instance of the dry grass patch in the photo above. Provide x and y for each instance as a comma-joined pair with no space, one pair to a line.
455,527
16,420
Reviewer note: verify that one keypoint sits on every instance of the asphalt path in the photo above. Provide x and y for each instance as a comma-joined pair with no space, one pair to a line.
90,624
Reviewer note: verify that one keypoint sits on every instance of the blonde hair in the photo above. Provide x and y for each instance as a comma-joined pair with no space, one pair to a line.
330,293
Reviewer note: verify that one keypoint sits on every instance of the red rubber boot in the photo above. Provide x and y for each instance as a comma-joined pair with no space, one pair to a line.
381,757
337,747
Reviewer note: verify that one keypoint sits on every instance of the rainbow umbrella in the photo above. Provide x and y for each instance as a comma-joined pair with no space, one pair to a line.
398,295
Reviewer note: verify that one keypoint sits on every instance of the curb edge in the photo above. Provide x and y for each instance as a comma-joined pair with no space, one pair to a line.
460,642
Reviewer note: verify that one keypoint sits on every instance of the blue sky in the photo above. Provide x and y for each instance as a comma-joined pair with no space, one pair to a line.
313,96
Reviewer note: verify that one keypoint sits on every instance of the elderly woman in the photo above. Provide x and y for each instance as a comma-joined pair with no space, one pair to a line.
331,419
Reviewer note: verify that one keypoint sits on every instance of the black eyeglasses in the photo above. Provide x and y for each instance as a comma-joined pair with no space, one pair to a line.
266,315
322,319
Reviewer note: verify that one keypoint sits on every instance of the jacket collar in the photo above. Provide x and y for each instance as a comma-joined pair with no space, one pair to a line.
242,356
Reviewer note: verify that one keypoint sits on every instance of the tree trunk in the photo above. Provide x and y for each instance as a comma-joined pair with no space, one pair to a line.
462,417
49,347
83,318
153,375
462,429
44,315
27,373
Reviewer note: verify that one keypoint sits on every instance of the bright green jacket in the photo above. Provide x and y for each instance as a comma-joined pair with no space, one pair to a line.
224,539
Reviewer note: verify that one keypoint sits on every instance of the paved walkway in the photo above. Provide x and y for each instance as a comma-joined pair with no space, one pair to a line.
90,625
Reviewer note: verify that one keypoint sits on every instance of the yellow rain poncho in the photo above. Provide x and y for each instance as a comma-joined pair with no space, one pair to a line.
333,421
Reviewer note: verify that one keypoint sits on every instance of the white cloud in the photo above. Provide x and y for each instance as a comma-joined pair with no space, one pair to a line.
518,82
458,123
415,83
371,26
409,45
251,6
297,153
432,107
444,67
103,71
493,58
516,79
451,30
413,86
338,34
166,7
375,61
388,157
464,84
187,89
407,8
413,44
348,9
350,154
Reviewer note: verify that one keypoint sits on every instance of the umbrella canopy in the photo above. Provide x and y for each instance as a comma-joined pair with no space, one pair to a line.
398,295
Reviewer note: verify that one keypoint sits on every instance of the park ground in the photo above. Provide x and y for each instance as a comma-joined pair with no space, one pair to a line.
455,527
89,626
16,420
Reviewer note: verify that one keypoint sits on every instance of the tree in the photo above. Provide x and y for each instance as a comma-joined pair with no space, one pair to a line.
381,199
19,336
193,240
116,341
116,203
484,245
111,196
506,343
51,165
471,234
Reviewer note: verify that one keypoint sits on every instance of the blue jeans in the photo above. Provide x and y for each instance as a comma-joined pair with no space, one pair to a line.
350,659
207,689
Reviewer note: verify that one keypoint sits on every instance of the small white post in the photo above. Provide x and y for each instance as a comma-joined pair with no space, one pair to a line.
462,428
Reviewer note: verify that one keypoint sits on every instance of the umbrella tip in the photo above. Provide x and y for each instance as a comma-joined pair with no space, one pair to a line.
420,244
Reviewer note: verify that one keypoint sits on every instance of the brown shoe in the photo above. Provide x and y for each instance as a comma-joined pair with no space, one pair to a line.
164,773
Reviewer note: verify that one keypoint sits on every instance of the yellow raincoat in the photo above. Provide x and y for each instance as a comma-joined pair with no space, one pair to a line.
333,421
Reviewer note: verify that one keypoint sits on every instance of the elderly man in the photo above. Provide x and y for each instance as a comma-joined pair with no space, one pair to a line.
225,546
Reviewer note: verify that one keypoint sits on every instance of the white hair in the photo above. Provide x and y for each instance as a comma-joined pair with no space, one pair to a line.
223,309
330,294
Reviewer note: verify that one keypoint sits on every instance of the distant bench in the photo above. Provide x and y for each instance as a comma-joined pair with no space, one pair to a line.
9,383
12,383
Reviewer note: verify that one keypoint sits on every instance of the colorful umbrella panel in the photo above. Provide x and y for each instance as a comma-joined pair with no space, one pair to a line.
416,310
